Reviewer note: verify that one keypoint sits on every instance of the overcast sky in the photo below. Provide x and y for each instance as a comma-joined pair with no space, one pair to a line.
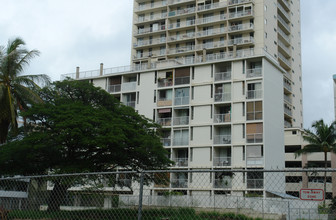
85,33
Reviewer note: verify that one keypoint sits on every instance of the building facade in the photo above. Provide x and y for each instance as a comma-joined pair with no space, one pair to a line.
222,78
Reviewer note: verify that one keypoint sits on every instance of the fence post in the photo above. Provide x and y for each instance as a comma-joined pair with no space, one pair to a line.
140,196
288,211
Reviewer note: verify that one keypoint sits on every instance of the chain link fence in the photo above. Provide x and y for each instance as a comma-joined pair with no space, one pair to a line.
170,194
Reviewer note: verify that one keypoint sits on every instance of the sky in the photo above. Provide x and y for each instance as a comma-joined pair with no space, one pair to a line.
86,33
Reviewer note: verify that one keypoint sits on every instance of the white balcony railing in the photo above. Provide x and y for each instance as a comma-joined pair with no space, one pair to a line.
222,161
180,162
254,138
165,82
151,17
181,37
151,30
223,183
288,99
284,35
183,120
234,2
182,80
287,86
182,11
284,23
150,42
255,183
181,141
288,111
154,5
171,2
166,142
221,76
284,47
284,59
211,6
181,24
240,14
222,139
127,87
181,49
211,19
240,40
182,100
254,94
179,183
254,161
255,72
130,104
223,97
284,12
240,27
114,88
220,118
211,45
164,121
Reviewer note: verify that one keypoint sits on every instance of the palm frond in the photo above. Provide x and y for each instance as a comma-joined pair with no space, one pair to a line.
26,95
37,81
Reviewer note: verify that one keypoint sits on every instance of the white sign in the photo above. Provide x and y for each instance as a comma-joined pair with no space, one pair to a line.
312,194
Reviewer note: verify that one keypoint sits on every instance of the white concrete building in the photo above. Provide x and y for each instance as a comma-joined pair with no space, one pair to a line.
222,77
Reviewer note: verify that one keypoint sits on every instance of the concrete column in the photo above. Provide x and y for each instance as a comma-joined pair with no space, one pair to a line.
149,63
77,72
234,50
101,69
304,174
204,55
333,174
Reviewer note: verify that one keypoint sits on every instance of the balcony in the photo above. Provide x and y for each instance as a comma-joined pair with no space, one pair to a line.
284,36
223,183
211,6
151,18
183,120
254,94
165,82
211,45
223,97
284,48
182,80
181,24
288,124
236,2
114,88
240,14
285,4
172,2
222,139
179,183
128,87
240,41
181,141
181,162
151,30
150,42
187,36
284,61
181,100
130,104
288,111
287,87
284,12
222,161
288,99
254,138
221,118
284,24
182,50
166,142
254,161
211,19
255,183
181,12
145,7
164,121
221,76
240,27
255,72
164,102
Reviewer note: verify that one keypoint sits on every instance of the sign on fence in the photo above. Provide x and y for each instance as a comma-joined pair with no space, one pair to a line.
312,194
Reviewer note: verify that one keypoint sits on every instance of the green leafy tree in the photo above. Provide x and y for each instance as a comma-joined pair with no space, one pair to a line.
17,91
81,128
321,138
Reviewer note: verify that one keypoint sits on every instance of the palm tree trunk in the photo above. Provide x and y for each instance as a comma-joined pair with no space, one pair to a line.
325,176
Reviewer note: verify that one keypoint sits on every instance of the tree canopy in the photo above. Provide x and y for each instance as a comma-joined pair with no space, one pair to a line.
17,91
81,128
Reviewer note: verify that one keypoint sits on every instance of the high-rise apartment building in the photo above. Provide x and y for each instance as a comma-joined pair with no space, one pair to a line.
222,77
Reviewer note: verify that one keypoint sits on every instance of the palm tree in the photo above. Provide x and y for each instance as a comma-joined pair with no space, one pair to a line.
17,91
322,138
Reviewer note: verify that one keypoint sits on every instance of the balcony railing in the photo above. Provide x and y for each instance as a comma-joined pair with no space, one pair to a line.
222,161
181,141
255,72
284,23
165,82
182,11
164,102
114,88
183,120
211,45
181,37
171,2
254,94
234,2
240,40
151,18
288,99
181,162
254,161
284,35
150,42
164,121
240,27
220,118
179,183
221,76
223,97
211,6
222,139
284,12
257,115
166,142
211,32
255,183
223,183
181,24
285,3
287,124
182,49
182,100
130,104
287,86
130,86
151,30
284,47
240,14
151,6
182,80
288,111
254,138
207,20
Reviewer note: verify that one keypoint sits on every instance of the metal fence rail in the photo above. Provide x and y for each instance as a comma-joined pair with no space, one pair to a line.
168,194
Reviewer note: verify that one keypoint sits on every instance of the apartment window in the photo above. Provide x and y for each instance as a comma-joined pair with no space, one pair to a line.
265,21
154,96
254,133
265,34
141,18
265,7
152,3
162,50
193,73
243,108
254,110
243,154
210,151
211,91
163,13
137,97
163,38
192,92
192,112
191,154
138,79
164,2
191,133
243,131
152,15
254,90
150,53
